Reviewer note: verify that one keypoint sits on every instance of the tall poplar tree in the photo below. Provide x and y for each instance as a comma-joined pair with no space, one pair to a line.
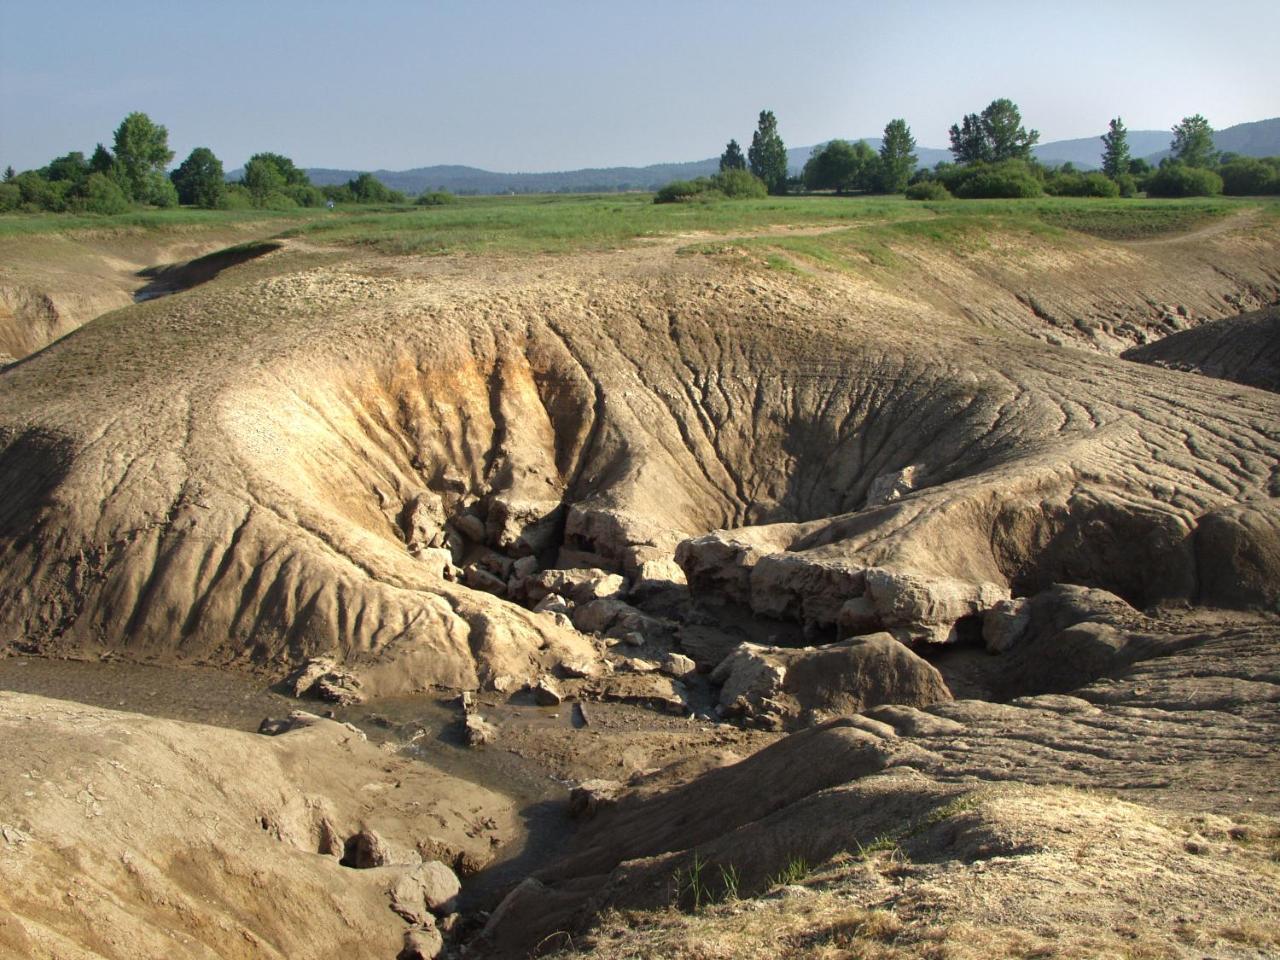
1115,149
767,155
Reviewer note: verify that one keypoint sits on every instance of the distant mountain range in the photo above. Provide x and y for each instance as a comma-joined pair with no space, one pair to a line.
1259,139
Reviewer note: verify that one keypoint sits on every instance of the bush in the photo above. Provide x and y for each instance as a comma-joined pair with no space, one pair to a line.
338,193
730,184
682,191
40,194
236,197
928,190
103,195
1179,180
1083,185
10,197
1009,179
437,198
1249,176
160,190
1127,184
739,185
305,195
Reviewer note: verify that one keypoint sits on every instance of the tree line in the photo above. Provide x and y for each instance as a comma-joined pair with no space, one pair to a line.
993,159
992,151
133,173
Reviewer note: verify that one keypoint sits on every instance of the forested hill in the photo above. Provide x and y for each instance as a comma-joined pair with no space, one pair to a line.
1258,139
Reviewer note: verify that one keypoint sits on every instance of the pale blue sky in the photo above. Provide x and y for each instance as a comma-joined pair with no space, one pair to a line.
562,84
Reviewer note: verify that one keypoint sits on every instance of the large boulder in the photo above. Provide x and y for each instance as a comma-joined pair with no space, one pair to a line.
813,683
923,608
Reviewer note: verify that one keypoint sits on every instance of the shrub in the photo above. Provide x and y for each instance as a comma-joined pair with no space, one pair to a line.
928,190
682,191
1249,176
1083,185
305,195
730,184
1006,180
1127,184
10,197
437,198
338,193
103,195
159,189
739,185
1179,180
236,197
40,194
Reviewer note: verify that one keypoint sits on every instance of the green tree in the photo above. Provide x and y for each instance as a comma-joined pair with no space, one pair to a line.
199,179
72,168
767,155
1192,142
262,178
141,150
367,188
897,157
102,161
9,174
841,166
293,175
995,135
968,142
1009,139
1115,149
732,158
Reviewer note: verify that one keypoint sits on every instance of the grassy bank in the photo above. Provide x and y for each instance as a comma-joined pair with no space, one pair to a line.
561,223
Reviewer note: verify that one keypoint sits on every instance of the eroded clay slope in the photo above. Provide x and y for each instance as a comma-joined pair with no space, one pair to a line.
124,836
1244,349
307,457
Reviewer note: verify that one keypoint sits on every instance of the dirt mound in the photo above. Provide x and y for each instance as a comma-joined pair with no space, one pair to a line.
371,459
1244,349
125,836
1190,731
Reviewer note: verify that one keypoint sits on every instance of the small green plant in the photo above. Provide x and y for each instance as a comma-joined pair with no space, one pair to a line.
881,844
729,879
691,887
797,869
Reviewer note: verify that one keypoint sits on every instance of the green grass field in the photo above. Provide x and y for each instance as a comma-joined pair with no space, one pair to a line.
562,223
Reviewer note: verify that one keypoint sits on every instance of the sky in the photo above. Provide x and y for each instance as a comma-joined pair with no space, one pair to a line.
561,84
